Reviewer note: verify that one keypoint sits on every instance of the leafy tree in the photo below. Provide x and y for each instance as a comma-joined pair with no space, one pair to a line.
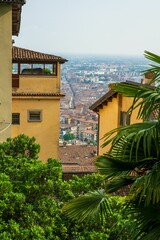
132,162
68,136
32,195
21,145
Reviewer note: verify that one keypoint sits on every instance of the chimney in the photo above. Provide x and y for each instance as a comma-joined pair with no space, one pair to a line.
148,77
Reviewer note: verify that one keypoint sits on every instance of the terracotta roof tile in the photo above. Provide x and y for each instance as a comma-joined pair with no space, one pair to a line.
78,169
29,94
80,155
26,55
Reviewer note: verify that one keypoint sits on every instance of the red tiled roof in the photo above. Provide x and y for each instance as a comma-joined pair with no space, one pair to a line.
80,155
26,55
78,169
23,94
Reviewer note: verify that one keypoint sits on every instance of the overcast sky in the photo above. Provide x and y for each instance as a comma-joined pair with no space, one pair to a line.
90,26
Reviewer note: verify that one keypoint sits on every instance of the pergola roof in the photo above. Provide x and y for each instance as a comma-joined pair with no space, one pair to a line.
33,94
16,14
25,55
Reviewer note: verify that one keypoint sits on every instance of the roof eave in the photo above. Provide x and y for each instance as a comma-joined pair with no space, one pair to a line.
16,16
38,61
111,93
94,107
22,55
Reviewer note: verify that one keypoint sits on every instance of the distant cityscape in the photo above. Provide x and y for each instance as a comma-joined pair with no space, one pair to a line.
84,80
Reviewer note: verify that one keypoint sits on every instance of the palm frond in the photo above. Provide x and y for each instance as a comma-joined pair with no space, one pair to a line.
94,205
153,68
153,234
147,188
128,90
109,166
119,183
146,99
134,137
152,56
148,220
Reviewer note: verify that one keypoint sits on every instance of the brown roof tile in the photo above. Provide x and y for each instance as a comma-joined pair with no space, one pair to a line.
26,55
23,94
77,155
78,169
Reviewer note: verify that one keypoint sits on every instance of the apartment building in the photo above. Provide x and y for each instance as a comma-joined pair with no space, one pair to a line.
10,19
112,113
36,98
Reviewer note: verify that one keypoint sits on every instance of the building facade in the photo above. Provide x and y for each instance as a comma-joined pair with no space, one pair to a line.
10,16
112,113
36,98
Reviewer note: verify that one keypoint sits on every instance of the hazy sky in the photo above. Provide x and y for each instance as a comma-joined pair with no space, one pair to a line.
90,26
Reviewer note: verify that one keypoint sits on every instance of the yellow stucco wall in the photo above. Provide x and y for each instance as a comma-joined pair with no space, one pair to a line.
46,132
126,103
109,117
5,69
108,120
38,84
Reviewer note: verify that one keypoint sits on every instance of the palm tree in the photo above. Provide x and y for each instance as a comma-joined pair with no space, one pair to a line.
132,162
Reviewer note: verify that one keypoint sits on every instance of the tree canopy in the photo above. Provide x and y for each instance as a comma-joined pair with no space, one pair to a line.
68,136
33,193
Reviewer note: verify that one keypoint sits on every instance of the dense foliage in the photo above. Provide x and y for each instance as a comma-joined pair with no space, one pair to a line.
32,195
133,161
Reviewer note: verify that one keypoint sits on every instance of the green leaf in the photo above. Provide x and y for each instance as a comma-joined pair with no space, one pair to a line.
94,205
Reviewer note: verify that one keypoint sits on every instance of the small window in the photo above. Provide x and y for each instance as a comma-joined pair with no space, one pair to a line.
124,118
34,116
15,118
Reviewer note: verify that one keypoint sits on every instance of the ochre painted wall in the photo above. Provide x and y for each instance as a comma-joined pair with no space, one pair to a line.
108,120
109,117
5,69
126,103
46,132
